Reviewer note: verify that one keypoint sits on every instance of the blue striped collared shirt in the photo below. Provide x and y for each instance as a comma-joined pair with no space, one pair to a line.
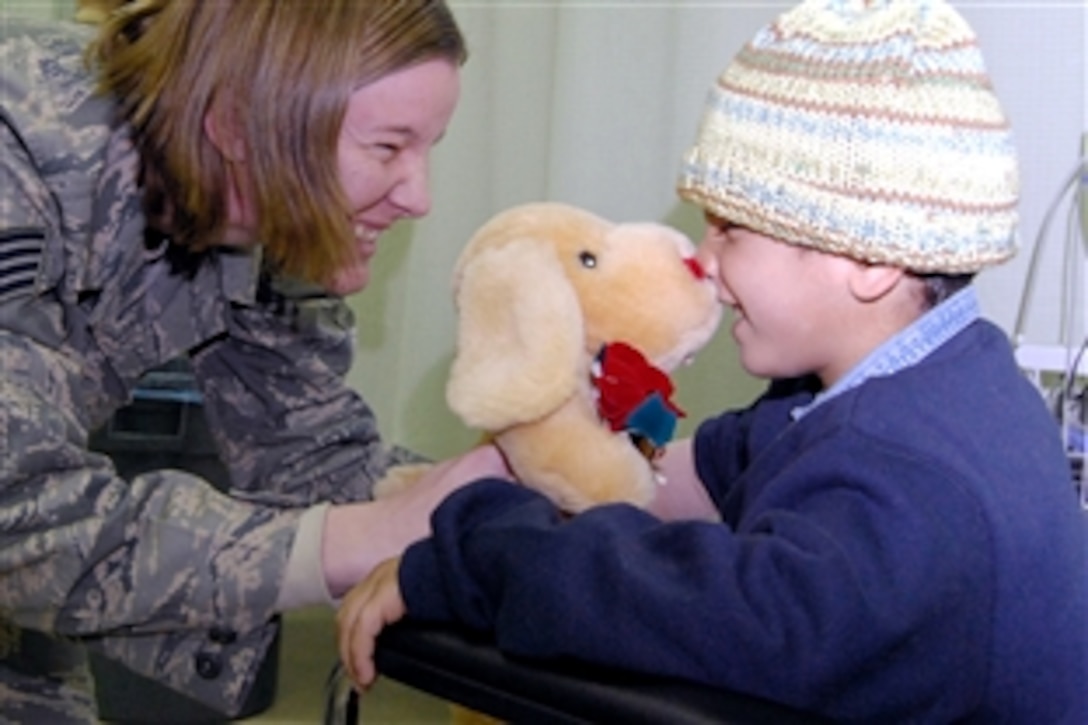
910,346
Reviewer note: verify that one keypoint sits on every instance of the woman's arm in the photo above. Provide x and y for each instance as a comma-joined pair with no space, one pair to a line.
680,493
357,537
287,425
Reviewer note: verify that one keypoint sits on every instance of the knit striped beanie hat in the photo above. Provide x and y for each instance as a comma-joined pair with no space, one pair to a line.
863,128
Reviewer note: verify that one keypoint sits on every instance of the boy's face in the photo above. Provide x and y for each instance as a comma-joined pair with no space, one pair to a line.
793,310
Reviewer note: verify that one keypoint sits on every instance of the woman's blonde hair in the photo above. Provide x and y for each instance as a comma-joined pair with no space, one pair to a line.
278,74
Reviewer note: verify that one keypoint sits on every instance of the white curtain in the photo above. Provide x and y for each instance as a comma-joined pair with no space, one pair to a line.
43,9
593,103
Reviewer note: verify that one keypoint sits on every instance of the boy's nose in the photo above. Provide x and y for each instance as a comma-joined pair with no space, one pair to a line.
705,259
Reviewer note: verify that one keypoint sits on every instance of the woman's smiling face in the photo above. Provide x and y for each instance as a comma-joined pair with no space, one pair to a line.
383,155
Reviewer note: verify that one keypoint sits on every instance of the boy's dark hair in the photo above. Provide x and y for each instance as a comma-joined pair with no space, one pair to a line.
936,288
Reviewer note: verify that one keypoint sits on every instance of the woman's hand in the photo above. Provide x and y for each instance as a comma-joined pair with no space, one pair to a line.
358,536
447,476
367,608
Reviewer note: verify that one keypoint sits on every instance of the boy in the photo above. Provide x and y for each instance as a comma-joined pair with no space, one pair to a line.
897,536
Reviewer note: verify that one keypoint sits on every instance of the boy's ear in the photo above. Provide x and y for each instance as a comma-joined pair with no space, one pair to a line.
223,131
870,282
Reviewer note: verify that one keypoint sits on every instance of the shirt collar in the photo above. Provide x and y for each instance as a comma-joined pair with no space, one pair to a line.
907,348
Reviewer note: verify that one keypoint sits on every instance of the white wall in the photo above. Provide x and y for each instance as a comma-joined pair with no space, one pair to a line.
1036,54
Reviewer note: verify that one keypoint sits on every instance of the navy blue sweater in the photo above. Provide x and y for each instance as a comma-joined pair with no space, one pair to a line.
911,550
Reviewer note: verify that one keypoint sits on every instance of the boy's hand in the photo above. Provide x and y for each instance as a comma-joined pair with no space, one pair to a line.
367,608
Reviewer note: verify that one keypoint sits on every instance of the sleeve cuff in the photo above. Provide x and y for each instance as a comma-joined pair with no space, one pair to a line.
304,581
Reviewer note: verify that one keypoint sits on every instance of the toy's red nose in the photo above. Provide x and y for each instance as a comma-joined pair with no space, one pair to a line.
695,267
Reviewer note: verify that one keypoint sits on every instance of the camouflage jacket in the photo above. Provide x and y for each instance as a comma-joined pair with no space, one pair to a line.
161,572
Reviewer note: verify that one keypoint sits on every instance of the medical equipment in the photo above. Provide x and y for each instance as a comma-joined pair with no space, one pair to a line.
1060,370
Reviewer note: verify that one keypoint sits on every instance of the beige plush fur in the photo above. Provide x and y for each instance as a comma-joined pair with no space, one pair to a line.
539,289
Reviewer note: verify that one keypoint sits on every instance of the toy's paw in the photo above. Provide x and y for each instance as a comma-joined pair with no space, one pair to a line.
399,478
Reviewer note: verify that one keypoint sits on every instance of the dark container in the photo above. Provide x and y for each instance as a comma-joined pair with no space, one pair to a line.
164,427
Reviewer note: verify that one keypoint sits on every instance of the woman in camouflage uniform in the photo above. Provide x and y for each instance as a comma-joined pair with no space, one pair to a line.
207,181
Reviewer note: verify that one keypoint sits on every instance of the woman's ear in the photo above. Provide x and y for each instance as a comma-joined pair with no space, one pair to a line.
871,282
224,132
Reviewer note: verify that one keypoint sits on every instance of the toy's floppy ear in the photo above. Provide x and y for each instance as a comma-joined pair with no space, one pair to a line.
519,337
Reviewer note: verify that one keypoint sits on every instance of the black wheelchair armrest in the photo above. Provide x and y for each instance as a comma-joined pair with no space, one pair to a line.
465,667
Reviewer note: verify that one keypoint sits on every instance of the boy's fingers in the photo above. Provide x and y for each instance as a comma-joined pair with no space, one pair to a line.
356,640
363,614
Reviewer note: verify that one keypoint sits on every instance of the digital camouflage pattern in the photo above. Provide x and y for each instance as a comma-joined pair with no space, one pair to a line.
162,573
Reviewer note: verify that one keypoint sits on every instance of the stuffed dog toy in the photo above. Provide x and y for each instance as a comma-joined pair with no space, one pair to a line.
569,325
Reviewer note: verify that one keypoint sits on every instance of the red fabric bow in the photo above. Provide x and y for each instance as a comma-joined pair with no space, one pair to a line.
624,379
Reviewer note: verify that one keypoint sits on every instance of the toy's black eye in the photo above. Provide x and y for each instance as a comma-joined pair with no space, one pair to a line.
588,259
